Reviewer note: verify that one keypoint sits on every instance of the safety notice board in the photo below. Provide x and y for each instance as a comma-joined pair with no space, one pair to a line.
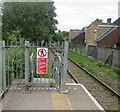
42,60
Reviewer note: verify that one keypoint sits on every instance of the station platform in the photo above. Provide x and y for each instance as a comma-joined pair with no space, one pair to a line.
78,98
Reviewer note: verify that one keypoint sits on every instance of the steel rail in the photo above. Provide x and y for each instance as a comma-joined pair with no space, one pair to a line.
106,86
91,75
73,77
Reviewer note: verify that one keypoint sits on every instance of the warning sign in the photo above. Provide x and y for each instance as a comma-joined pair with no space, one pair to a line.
42,59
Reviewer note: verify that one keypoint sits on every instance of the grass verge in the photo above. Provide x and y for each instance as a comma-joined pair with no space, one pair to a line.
104,72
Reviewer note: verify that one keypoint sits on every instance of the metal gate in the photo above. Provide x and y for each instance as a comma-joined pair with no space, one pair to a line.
19,66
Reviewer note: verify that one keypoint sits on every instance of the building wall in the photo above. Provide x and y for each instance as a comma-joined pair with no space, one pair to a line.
101,30
109,40
92,32
90,35
73,33
79,38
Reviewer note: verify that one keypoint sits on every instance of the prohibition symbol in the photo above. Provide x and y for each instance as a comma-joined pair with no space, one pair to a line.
42,52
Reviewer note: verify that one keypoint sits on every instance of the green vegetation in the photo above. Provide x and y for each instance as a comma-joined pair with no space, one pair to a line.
15,61
52,84
62,36
34,21
15,66
96,67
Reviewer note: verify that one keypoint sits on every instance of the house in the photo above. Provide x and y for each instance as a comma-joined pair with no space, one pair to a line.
79,38
110,38
73,33
93,31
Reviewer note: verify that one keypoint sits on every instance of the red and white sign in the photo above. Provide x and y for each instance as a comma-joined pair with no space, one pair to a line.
42,59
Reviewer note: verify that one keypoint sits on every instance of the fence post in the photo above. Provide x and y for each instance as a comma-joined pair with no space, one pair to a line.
4,65
80,49
1,44
27,46
64,74
76,47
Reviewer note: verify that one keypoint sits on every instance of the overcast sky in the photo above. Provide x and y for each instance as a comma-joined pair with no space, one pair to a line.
76,14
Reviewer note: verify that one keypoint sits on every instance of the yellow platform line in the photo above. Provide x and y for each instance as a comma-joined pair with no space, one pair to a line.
60,101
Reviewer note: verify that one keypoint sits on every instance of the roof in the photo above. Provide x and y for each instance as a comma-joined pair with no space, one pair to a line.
109,38
97,22
75,30
117,22
105,33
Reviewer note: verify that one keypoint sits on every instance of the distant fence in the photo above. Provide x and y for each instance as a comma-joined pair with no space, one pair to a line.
108,55
79,48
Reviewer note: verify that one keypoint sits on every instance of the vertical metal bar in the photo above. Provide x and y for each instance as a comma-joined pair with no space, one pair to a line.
1,77
73,47
21,61
64,75
8,68
16,61
62,45
45,44
37,81
37,43
12,55
4,66
27,45
80,49
77,47
33,45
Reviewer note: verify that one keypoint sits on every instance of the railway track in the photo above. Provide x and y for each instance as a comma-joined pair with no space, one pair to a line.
107,97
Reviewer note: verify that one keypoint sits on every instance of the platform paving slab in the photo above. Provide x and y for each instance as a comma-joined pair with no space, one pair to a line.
76,99
79,99
41,100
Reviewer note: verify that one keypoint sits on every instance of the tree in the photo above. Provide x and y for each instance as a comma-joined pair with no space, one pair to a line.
35,21
62,36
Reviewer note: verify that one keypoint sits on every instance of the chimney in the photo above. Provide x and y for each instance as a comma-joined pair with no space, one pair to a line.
109,20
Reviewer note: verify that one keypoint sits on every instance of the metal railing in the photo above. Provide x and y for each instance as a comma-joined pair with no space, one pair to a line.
18,67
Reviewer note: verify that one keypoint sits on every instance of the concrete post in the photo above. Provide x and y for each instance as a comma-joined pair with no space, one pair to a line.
64,75
27,46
